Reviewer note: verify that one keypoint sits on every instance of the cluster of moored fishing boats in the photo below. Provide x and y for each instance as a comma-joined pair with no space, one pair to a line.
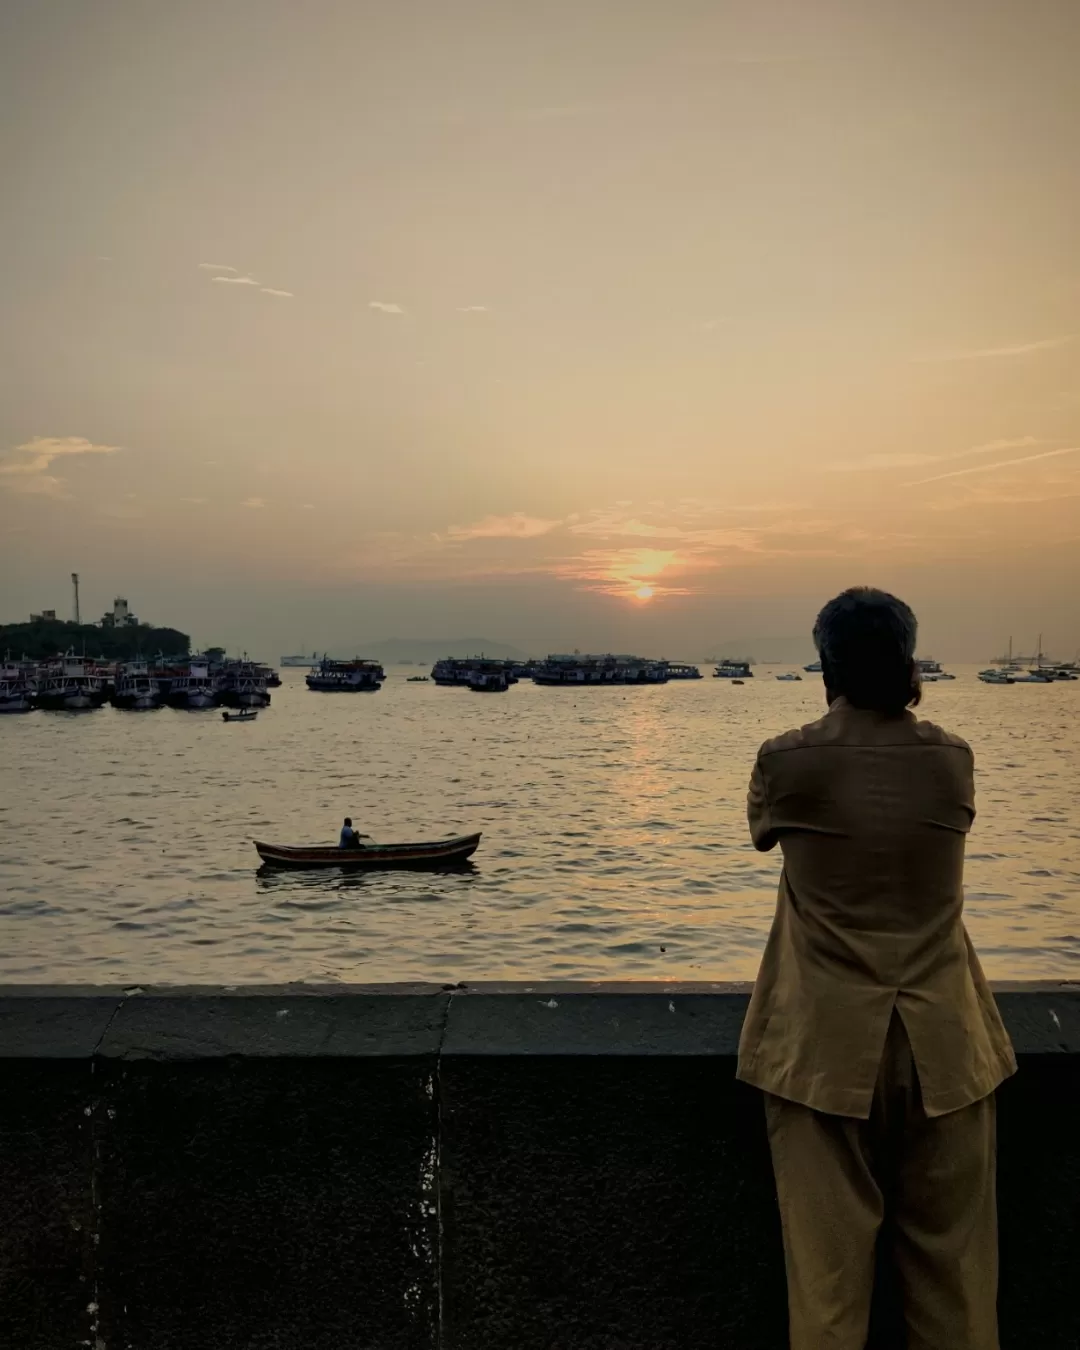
486,675
559,671
72,683
1037,669
1017,674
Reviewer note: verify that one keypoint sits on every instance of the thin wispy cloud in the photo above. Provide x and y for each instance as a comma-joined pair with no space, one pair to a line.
998,464
25,469
917,459
1014,349
254,503
473,309
231,276
515,526
1010,491
871,463
385,307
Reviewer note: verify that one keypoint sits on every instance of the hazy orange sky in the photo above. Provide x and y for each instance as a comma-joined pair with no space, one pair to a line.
332,322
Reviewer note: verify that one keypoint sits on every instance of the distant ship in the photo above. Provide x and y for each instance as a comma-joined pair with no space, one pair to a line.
300,660
346,677
733,670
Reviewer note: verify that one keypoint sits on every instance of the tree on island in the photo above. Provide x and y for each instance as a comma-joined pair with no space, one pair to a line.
42,639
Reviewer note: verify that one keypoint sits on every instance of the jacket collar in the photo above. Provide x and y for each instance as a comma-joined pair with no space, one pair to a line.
841,710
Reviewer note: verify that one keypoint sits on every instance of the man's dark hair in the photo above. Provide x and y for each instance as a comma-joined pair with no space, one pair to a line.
866,641
348,820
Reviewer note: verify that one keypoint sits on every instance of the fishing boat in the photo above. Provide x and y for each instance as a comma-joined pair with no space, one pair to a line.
931,671
733,670
346,677
577,670
995,676
789,675
244,715
71,684
433,853
451,672
489,682
243,684
136,688
192,686
417,679
1010,663
814,668
17,689
682,670
459,672
639,670
1049,671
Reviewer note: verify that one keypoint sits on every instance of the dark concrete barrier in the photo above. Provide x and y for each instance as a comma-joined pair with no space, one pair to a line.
546,1167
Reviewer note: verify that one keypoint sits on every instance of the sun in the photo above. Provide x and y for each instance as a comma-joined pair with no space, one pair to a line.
644,592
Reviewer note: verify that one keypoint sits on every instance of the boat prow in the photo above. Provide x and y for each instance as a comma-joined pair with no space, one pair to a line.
433,853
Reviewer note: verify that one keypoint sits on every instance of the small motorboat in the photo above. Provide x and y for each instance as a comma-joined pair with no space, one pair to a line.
433,853
244,715
790,675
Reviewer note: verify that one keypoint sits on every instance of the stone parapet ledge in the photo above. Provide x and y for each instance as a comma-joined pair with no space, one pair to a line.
490,1018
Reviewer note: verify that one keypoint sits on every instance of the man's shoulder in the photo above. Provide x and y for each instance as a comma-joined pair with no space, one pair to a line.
929,733
798,738
831,730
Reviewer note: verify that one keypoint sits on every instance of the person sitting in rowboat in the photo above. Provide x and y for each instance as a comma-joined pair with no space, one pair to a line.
351,838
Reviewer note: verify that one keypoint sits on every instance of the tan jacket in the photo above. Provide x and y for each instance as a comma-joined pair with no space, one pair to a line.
871,814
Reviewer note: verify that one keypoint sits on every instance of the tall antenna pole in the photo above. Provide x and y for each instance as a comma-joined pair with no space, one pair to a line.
75,584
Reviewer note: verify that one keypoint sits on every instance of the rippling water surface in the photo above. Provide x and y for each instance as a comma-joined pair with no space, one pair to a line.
614,844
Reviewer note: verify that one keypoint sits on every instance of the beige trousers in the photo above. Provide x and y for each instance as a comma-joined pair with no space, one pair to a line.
838,1177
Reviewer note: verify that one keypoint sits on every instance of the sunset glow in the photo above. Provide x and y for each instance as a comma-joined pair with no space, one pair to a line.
644,592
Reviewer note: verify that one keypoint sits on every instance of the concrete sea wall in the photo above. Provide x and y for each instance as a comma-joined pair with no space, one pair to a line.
501,1167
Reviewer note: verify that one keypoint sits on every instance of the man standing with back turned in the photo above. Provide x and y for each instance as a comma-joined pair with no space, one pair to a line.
872,1030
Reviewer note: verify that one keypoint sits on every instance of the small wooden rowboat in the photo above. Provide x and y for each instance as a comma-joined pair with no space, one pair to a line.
244,715
434,853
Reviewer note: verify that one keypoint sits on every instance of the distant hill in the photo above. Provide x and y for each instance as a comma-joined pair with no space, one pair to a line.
428,650
44,638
